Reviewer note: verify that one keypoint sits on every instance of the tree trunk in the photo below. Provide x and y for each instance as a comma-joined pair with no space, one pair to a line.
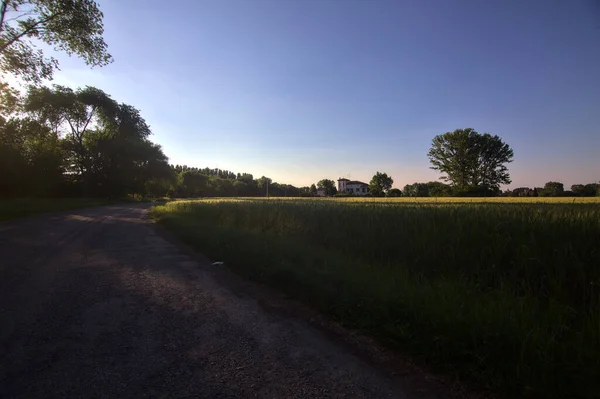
2,12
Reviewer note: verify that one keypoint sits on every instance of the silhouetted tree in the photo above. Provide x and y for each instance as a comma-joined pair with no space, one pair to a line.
380,184
552,189
328,185
73,26
472,162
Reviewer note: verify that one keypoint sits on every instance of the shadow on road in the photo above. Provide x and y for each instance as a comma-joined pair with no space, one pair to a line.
96,304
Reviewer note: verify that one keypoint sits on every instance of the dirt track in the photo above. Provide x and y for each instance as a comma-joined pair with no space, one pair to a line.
96,303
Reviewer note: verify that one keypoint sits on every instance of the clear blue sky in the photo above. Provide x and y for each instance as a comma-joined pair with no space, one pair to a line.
300,90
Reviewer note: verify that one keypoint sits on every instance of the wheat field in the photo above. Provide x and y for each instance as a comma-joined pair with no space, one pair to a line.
503,291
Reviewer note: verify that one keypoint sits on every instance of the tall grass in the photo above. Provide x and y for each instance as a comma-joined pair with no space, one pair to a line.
504,293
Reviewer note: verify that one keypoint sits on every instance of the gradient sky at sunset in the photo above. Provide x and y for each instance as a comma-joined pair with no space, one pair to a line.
300,90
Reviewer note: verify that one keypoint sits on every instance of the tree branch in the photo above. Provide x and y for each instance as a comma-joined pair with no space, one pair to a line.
74,132
19,16
28,31
89,119
3,13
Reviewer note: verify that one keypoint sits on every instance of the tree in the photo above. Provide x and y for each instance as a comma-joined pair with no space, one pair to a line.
224,183
472,162
438,189
394,192
156,176
416,190
75,114
31,159
380,184
10,100
31,155
523,192
122,164
552,189
578,189
73,26
430,189
263,186
106,146
588,190
328,185
313,189
245,177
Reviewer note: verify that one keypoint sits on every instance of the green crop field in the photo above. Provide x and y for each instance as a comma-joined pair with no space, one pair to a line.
502,291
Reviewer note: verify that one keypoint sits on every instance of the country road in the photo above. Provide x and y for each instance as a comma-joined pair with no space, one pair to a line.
96,303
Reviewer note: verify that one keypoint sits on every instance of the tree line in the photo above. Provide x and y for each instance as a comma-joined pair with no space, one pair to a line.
472,164
556,189
206,182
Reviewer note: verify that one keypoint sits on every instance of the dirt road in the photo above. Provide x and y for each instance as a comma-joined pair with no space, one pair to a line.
96,303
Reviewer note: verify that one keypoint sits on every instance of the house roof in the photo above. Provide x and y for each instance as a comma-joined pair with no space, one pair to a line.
343,179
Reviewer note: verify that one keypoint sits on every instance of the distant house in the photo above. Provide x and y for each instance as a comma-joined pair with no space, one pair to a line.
321,192
352,187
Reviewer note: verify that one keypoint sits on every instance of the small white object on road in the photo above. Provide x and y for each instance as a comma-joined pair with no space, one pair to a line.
217,264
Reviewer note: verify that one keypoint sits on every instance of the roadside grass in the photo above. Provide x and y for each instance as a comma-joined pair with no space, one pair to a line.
506,294
22,207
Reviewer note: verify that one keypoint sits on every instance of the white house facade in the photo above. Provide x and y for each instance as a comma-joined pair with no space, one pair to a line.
353,187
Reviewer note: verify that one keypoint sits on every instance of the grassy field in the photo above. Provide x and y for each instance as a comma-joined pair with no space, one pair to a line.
502,291
22,207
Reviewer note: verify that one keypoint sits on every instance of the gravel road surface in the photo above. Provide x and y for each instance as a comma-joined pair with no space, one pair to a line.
96,303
